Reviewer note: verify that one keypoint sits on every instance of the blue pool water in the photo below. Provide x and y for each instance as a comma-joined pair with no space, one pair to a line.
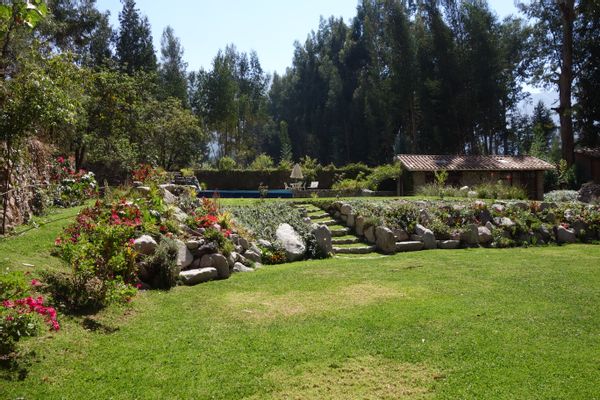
246,194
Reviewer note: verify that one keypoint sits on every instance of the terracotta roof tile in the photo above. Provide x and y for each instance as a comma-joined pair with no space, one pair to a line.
421,162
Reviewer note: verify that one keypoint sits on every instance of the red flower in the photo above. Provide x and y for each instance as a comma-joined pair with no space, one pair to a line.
60,160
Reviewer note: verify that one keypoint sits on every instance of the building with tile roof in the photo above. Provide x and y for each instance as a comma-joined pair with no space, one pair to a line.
525,171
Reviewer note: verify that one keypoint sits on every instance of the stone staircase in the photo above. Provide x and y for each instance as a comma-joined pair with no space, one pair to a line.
342,239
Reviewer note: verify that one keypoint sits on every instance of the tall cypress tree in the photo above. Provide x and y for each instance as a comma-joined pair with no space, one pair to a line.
135,51
172,70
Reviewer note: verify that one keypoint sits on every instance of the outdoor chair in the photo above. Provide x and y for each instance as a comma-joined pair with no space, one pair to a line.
286,186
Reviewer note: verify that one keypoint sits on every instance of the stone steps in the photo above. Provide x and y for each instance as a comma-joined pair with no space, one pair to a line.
339,232
319,216
354,250
345,240
409,246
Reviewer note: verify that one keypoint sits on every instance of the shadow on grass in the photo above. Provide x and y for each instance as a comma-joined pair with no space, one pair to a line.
92,325
15,366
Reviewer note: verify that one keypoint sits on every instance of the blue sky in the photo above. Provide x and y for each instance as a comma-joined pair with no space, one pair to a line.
268,26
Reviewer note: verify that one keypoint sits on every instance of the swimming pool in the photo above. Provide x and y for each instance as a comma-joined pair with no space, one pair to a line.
246,194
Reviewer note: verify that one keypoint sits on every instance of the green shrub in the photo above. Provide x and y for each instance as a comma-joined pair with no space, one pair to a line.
382,173
310,167
285,165
434,190
262,162
500,190
226,164
85,292
561,196
187,172
351,185
161,267
439,229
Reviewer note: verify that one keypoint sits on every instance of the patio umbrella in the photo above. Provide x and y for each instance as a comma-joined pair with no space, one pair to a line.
297,172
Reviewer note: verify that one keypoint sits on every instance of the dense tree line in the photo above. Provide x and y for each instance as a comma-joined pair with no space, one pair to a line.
431,78
401,76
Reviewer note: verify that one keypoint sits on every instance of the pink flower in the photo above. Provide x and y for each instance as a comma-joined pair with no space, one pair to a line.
8,304
9,318
35,283
60,159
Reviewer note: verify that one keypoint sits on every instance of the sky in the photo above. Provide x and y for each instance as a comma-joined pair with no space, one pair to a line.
269,27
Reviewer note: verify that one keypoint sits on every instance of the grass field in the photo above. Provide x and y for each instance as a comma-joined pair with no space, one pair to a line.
469,324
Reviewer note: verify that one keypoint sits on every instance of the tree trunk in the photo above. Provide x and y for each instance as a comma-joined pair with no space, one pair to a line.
6,186
567,8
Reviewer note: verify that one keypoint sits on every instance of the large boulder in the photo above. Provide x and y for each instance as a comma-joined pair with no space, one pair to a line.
448,244
196,276
253,256
323,238
409,246
206,248
359,225
427,237
217,261
565,235
184,256
239,267
504,222
401,235
385,240
194,244
470,235
589,193
351,221
346,209
145,244
179,215
370,234
291,241
265,243
485,235
169,197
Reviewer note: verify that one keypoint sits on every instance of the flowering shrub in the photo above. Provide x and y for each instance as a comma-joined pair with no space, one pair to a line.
69,186
21,314
208,216
275,256
146,173
99,249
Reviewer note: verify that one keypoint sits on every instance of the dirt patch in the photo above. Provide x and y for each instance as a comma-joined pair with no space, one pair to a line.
360,378
262,305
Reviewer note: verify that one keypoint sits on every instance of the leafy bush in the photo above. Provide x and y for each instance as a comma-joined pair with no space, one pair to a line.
310,167
99,249
148,174
435,190
500,190
262,162
161,267
226,164
285,165
22,314
382,173
561,196
70,187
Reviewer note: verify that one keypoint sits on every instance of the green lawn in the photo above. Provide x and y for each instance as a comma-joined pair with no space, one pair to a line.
478,324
